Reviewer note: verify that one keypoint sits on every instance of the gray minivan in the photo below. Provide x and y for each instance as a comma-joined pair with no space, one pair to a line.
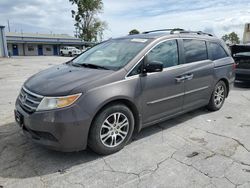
100,98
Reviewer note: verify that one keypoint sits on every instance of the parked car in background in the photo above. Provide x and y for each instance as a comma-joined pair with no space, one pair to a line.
241,55
100,98
70,51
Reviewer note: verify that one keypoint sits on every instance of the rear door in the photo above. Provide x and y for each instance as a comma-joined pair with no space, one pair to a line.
162,92
199,74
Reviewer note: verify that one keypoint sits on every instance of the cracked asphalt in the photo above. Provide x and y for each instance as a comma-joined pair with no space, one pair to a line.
198,149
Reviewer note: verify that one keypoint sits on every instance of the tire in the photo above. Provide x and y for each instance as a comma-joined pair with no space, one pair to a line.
70,54
105,126
218,96
62,54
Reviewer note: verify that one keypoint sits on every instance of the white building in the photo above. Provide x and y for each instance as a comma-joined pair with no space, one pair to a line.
31,44
246,35
3,43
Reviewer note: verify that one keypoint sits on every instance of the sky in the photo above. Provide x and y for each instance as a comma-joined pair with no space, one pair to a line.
54,16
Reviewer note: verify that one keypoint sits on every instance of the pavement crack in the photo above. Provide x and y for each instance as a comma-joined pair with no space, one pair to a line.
117,171
138,175
216,134
189,165
235,185
245,97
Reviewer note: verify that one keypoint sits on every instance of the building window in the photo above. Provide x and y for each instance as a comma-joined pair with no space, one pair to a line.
30,48
48,49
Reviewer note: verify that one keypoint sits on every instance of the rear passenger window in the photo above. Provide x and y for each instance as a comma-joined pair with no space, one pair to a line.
166,52
216,51
195,50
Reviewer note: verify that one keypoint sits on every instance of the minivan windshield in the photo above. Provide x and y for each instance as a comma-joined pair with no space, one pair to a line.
112,54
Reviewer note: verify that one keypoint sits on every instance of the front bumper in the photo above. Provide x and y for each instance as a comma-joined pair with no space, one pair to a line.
62,129
242,74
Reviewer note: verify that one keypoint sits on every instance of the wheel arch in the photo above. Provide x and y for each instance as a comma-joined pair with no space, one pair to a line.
126,102
225,80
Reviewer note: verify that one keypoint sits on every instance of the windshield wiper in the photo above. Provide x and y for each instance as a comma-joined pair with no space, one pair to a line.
75,64
91,66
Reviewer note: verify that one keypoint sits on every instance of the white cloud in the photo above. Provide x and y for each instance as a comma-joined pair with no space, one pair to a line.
217,16
43,16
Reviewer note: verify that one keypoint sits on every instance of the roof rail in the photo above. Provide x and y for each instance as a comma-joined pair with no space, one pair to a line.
159,30
172,31
197,32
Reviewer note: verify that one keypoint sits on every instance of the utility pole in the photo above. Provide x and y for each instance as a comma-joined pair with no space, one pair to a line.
9,25
76,32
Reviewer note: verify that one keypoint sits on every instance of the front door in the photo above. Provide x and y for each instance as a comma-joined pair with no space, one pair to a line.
55,50
15,49
199,74
40,50
163,91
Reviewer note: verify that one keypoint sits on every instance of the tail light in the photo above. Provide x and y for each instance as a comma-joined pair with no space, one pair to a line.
235,66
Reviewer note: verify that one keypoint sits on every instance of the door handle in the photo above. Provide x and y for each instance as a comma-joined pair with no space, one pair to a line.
189,77
180,79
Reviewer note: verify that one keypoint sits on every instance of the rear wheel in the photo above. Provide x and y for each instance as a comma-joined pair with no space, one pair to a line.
218,96
111,129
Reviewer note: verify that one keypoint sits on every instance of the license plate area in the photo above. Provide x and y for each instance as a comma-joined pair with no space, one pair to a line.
19,118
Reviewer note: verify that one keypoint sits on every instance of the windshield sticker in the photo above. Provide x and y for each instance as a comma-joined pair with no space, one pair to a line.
139,40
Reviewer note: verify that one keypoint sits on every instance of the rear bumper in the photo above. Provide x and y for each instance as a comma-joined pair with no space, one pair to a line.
62,130
242,74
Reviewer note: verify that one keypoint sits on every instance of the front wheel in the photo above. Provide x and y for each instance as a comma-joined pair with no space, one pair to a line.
111,129
218,96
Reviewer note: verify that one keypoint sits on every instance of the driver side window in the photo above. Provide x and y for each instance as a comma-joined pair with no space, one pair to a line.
166,52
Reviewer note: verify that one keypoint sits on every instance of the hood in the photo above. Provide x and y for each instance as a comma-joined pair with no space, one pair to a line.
60,80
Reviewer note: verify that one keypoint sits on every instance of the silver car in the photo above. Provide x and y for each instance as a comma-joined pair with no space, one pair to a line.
100,98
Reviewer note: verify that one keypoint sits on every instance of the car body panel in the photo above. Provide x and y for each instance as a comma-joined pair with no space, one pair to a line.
198,87
162,95
61,79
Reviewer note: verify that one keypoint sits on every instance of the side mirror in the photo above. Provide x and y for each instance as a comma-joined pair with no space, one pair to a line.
154,66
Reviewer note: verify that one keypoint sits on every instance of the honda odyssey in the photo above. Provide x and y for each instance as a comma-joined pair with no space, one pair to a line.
100,98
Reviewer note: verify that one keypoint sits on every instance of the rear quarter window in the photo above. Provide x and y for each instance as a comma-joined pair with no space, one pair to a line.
216,51
195,50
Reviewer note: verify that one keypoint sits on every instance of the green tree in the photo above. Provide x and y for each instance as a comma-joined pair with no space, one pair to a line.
134,32
231,38
88,26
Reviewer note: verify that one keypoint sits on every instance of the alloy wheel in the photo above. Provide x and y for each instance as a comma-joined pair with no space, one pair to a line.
114,129
219,95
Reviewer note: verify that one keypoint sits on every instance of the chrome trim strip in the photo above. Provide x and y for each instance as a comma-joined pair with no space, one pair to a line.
165,99
34,102
31,93
195,90
32,108
177,95
176,38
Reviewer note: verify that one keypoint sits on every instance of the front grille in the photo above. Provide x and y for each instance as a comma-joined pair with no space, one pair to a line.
28,100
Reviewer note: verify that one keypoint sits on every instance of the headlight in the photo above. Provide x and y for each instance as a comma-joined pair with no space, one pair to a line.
49,103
